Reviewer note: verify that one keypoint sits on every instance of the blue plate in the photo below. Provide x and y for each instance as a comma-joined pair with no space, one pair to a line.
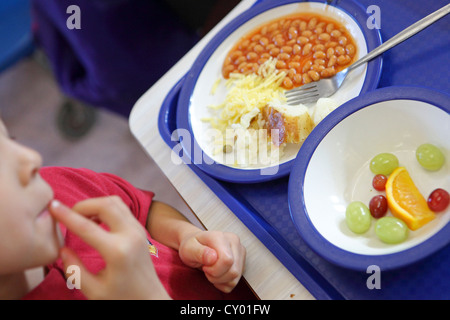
192,149
409,103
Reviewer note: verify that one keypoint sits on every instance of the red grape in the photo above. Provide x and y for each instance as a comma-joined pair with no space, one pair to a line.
438,200
379,182
378,206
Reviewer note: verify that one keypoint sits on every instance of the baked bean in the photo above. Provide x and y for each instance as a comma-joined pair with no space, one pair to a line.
339,50
324,37
286,49
264,30
314,75
312,23
252,56
291,42
330,52
244,44
273,27
330,27
350,49
279,41
262,60
293,33
298,78
306,47
291,73
239,60
319,62
297,58
259,49
275,33
319,55
342,40
318,47
335,34
264,41
283,56
332,61
307,66
228,69
287,83
306,78
303,26
317,67
274,52
296,23
294,64
256,37
318,30
328,72
302,40
344,59
235,54
307,33
296,49
280,64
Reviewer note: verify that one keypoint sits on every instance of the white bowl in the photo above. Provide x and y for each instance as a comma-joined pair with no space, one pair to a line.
332,170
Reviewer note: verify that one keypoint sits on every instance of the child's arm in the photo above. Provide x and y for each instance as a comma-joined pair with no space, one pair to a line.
220,255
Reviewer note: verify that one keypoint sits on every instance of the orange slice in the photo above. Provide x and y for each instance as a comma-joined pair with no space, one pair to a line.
405,201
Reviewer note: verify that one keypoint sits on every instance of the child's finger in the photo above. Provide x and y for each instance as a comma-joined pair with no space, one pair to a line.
196,255
83,227
225,255
110,210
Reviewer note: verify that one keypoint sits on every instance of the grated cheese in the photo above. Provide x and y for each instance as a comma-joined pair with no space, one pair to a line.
247,95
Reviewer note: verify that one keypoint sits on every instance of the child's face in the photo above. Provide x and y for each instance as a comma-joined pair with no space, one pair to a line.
28,234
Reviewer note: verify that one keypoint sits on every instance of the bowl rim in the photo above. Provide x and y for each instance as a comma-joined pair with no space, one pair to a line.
297,207
229,174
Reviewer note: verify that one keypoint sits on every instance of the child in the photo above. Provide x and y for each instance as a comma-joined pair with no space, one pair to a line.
84,230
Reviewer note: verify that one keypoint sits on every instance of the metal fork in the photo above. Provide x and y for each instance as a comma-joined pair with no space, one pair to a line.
323,88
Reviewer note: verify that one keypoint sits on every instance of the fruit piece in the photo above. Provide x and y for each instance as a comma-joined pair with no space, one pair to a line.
391,230
430,157
405,201
378,206
384,163
379,182
438,200
357,217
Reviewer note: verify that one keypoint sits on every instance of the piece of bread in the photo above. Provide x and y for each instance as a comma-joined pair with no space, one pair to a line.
293,122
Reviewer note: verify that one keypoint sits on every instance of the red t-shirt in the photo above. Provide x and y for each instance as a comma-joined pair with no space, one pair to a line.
73,185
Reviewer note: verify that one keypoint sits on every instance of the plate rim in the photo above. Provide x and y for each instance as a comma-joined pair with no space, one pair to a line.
297,209
236,175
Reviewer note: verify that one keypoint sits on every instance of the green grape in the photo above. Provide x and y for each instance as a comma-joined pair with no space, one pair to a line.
430,157
391,230
384,163
357,217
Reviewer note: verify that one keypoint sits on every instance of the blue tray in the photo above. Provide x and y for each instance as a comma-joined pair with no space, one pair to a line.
263,208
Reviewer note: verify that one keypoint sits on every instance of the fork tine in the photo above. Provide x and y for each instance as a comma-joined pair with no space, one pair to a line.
303,100
305,87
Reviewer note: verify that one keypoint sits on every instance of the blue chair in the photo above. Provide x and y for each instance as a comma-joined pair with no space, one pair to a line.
16,38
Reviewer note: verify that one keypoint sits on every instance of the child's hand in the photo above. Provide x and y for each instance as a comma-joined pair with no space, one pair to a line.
129,271
220,254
